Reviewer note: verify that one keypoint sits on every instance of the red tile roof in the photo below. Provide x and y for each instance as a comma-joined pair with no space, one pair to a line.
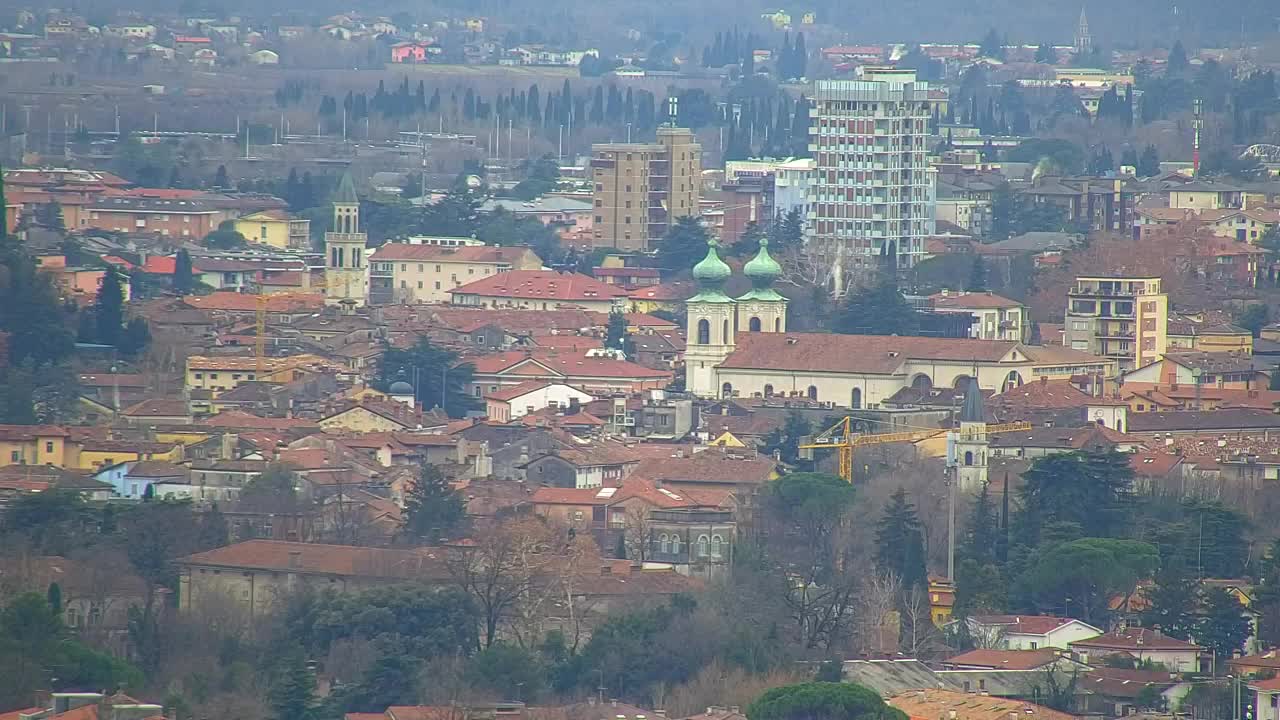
1046,394
708,466
325,559
242,302
566,364
31,432
160,265
1004,659
237,419
1135,639
541,285
676,291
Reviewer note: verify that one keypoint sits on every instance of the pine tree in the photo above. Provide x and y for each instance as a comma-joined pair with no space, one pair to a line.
1149,162
799,58
982,536
616,332
1172,601
292,695
108,308
183,277
432,507
1223,626
220,179
899,542
54,597
977,276
136,337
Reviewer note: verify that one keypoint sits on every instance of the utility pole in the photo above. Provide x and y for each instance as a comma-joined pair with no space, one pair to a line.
952,479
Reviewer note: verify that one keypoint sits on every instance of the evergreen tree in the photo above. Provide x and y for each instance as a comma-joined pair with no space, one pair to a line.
878,310
683,245
292,694
214,532
432,507
1149,162
108,308
1177,64
135,338
220,179
1172,601
1223,626
183,274
54,597
616,332
977,275
900,543
982,535
1129,157
1046,54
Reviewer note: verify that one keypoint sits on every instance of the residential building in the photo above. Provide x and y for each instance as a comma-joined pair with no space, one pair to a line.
345,275
1247,225
256,576
1205,195
791,182
641,189
1266,699
873,190
995,317
1125,318
400,272
1222,371
540,290
218,374
36,445
512,403
590,371
190,217
1030,632
276,228
1142,645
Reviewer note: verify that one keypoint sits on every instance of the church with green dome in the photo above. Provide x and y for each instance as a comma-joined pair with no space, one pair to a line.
715,319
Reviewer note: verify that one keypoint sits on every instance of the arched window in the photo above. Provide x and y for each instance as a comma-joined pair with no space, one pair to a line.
813,392
777,324
968,458
716,542
1011,381
855,402
704,332
921,382
665,541
768,391
675,544
724,339
754,324
726,390
703,540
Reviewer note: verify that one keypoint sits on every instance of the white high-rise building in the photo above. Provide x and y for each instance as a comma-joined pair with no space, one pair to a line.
872,190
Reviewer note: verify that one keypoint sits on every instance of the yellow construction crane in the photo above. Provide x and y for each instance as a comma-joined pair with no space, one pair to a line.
841,437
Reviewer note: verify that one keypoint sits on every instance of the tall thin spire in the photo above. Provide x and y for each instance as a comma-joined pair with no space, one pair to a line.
1084,41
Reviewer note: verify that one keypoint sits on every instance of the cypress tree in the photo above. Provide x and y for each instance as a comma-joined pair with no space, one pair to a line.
108,308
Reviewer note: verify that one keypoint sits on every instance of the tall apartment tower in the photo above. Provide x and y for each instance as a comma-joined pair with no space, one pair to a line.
345,275
872,190
640,189
1123,318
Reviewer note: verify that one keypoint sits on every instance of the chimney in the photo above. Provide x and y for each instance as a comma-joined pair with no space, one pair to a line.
1044,379
295,558
613,702
607,570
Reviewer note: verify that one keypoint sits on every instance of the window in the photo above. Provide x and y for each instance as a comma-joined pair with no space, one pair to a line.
855,399
968,458
726,390
716,543
577,515
813,392
703,542
664,542
13,456
1034,645
768,391
704,332
754,324
48,446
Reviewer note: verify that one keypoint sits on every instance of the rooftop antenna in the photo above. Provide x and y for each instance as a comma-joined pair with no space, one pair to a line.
1197,124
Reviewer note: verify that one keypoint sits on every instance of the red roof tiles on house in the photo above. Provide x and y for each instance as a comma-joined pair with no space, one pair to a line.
541,285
